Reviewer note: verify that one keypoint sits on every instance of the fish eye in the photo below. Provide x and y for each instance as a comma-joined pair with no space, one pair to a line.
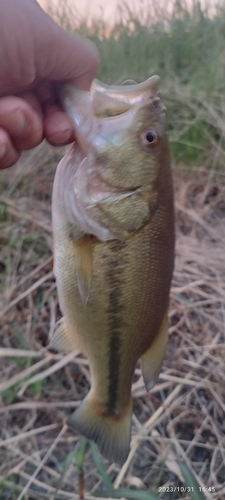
149,138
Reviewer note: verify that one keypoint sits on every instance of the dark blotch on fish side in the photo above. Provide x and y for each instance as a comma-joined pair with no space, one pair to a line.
115,308
114,366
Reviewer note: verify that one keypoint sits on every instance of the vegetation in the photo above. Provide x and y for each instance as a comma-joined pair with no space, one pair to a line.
184,43
177,450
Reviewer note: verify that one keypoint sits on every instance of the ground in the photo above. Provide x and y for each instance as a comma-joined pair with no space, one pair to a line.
181,420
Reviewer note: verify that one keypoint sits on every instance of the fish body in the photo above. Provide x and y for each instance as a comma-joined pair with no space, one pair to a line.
113,234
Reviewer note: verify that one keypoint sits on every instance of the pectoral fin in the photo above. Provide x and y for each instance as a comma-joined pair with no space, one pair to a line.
62,340
83,252
152,359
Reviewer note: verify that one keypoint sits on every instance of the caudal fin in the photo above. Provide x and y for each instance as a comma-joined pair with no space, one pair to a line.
111,433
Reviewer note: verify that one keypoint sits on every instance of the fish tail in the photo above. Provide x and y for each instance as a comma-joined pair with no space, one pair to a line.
111,433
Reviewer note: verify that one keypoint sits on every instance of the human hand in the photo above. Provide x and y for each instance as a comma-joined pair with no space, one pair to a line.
35,55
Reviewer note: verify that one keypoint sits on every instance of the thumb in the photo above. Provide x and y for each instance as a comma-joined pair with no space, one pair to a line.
68,57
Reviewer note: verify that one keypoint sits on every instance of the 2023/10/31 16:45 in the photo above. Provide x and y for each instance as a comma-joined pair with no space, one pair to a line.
185,489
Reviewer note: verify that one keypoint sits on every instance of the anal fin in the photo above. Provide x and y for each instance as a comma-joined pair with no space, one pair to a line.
62,340
152,359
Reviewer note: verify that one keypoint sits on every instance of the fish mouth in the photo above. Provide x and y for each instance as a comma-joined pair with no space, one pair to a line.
111,100
104,116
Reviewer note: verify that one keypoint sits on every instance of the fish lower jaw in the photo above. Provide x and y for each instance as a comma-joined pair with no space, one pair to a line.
88,191
100,191
92,188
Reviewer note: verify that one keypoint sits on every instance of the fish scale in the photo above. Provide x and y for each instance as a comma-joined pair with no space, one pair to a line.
114,282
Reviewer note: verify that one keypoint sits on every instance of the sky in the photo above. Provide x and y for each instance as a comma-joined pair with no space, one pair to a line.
92,7
106,9
110,10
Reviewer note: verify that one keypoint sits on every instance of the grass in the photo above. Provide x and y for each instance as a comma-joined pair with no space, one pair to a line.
183,42
178,429
181,420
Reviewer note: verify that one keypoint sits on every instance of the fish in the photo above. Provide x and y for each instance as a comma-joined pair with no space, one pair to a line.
113,242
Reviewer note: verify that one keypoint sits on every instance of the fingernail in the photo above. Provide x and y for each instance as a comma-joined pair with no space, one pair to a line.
66,134
22,124
2,151
61,136
16,121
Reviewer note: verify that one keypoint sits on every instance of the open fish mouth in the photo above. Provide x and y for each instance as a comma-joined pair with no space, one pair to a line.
112,100
105,115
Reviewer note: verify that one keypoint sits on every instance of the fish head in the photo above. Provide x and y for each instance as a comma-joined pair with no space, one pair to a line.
121,132
127,148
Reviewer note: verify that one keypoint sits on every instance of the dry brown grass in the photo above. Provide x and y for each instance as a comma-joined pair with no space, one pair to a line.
183,416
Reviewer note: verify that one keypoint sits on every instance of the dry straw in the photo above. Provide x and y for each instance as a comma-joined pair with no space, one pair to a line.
182,419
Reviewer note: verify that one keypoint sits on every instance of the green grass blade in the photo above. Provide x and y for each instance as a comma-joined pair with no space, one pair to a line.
80,452
70,458
191,481
135,494
101,469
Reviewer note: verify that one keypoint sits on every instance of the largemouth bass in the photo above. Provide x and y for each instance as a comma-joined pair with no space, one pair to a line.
113,233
